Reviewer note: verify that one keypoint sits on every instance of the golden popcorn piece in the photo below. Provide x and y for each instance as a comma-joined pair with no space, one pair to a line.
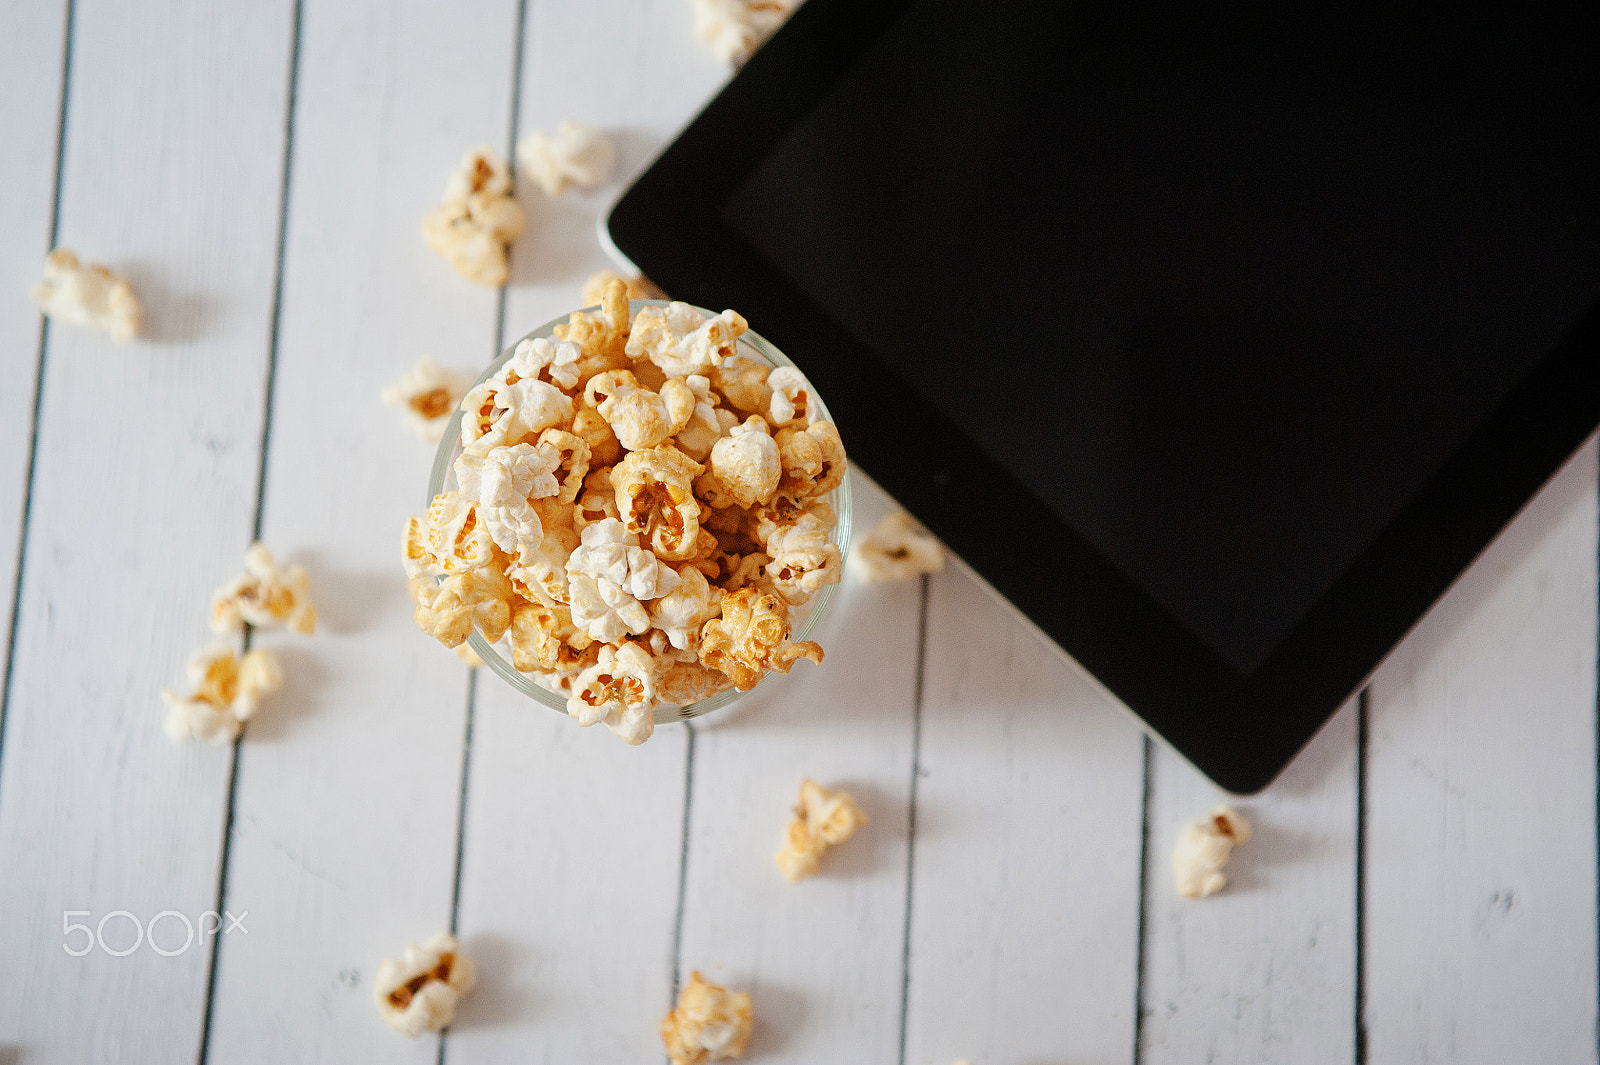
681,613
88,295
896,549
683,683
572,461
752,636
419,992
638,287
791,397
736,28
543,637
710,1023
598,501
451,609
575,154
602,337
604,447
822,819
746,464
227,691
682,341
639,417
803,559
264,595
782,512
427,394
476,221
813,460
450,538
743,382
1203,849
619,690
655,499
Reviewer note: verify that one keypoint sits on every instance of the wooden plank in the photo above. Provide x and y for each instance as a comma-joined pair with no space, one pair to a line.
1025,905
1264,971
32,58
344,837
570,871
1480,853
823,959
143,500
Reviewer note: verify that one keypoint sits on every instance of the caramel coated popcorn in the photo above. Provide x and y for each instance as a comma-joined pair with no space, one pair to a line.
710,1023
226,692
1204,848
895,550
620,518
427,394
264,595
822,819
419,992
637,287
477,219
575,154
88,295
736,28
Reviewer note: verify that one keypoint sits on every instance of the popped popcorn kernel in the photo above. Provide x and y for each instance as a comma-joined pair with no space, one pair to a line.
477,219
541,358
813,459
449,538
791,397
895,550
803,559
619,691
419,992
682,341
681,612
87,295
822,819
710,1023
746,463
683,683
654,492
226,692
503,411
544,637
638,287
602,337
264,595
575,154
450,610
736,28
743,381
610,577
752,636
1204,848
428,395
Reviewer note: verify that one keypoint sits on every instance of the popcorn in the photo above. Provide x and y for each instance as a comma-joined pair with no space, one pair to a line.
449,538
769,520
682,341
264,595
574,155
477,219
751,636
609,577
604,447
710,1024
895,550
736,28
681,612
542,358
636,288
504,411
803,559
689,682
1204,848
655,498
226,692
746,463
602,337
598,501
791,396
87,295
813,459
419,992
640,417
450,610
428,394
618,690
543,637
822,819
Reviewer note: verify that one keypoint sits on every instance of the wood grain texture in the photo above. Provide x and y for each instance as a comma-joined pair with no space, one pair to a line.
822,959
1025,901
1480,871
144,498
1265,970
570,871
344,838
32,56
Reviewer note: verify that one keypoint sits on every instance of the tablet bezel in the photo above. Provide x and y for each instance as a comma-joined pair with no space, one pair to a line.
1238,730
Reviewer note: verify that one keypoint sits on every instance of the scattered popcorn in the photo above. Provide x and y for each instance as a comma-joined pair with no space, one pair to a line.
477,219
428,395
226,692
1204,848
620,526
419,992
736,28
264,595
896,550
822,819
636,288
574,155
710,1024
87,295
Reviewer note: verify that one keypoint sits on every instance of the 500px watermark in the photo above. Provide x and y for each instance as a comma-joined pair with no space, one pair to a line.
210,923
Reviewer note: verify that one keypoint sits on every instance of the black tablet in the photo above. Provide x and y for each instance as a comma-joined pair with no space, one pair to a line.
1219,342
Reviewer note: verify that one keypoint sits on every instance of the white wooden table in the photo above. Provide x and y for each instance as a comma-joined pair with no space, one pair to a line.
1422,886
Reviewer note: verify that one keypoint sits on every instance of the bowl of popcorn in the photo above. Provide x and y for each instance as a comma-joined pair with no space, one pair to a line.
638,513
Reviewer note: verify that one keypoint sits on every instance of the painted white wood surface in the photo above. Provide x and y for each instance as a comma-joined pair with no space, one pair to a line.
143,500
570,871
1025,890
1264,971
1480,854
344,836
32,54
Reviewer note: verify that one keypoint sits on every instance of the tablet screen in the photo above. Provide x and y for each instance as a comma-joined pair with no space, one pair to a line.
1222,296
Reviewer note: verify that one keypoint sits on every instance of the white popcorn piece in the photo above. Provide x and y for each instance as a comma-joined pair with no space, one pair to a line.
226,692
87,295
681,612
822,819
575,154
428,394
504,481
619,691
477,219
895,550
609,577
1204,848
543,358
682,341
803,559
746,463
419,992
638,287
703,428
710,1023
639,417
264,595
736,28
500,412
791,397
743,383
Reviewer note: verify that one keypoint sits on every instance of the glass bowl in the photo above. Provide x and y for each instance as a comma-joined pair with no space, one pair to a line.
806,617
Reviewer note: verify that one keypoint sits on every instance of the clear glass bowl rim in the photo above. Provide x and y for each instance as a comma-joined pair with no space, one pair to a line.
839,499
